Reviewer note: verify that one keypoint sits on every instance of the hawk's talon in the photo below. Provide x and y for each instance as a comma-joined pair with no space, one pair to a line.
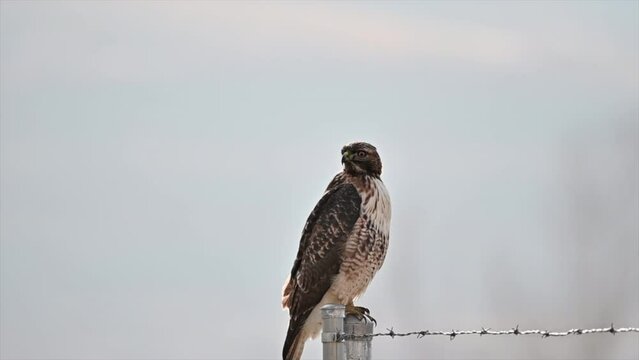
360,313
372,319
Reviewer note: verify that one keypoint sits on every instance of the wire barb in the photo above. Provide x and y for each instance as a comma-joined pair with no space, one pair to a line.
516,330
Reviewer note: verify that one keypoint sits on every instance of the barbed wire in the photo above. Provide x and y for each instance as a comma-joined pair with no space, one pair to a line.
487,331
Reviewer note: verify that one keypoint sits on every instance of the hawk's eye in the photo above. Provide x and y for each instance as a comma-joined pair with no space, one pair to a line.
361,154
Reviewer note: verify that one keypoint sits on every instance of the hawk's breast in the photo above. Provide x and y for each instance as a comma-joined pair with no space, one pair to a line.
367,244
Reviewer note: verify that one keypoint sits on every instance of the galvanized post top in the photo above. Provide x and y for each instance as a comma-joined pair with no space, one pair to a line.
331,311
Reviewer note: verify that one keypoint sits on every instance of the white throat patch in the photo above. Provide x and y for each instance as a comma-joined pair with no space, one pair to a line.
377,206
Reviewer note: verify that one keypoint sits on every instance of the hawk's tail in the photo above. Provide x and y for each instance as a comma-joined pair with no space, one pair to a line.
294,344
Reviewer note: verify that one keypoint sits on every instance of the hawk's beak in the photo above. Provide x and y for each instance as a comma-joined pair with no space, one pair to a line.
346,156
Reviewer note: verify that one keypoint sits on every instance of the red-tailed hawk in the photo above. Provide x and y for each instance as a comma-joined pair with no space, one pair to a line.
343,244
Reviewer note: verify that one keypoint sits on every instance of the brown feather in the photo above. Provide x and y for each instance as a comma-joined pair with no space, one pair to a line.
319,256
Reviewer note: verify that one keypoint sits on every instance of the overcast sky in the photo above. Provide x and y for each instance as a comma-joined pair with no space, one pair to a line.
159,160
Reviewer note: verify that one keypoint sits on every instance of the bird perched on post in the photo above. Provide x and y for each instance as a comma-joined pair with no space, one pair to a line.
343,244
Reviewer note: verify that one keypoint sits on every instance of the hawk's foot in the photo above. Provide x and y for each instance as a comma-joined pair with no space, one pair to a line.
360,313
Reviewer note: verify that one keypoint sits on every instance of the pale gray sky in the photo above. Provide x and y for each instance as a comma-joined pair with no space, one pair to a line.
159,159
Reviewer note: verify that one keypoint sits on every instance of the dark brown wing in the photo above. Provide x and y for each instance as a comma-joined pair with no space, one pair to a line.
319,255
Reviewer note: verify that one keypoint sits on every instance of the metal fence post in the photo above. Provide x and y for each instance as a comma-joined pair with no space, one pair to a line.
358,348
332,332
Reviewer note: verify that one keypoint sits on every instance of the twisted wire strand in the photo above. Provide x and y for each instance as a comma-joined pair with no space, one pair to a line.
487,331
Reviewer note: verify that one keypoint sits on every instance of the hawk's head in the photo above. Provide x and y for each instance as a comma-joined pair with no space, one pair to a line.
360,158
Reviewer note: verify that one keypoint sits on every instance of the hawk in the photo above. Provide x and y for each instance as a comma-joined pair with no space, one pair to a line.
343,244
